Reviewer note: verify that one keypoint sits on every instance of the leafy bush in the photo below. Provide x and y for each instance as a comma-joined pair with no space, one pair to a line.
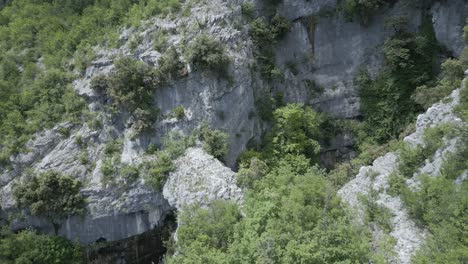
249,173
179,112
386,102
113,147
169,65
155,173
295,131
132,83
213,226
396,184
174,145
205,52
361,9
265,34
30,247
129,173
411,158
215,141
375,212
51,195
248,10
160,41
452,75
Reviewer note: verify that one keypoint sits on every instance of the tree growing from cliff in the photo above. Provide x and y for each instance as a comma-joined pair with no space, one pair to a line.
51,195
205,52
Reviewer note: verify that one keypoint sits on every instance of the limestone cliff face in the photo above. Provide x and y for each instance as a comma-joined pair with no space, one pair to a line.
328,49
325,48
407,234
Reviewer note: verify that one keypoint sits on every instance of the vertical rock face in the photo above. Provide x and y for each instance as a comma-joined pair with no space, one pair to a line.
407,234
326,48
449,18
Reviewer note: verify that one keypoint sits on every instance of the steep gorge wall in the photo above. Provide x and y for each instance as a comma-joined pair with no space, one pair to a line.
328,49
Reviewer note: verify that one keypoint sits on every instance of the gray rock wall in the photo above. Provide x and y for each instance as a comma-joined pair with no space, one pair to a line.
328,49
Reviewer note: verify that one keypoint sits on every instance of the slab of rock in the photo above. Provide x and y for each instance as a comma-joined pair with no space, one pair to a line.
200,179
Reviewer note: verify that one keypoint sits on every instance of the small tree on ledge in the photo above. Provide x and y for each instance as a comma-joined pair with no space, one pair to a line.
51,195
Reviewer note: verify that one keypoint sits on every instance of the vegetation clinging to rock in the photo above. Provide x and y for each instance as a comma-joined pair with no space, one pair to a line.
51,195
206,53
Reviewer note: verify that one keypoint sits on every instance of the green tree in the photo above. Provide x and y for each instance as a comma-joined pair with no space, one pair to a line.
51,195
205,52
216,142
29,247
296,130
290,215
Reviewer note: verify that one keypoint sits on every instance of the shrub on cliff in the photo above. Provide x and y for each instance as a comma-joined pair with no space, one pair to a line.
216,142
51,195
207,53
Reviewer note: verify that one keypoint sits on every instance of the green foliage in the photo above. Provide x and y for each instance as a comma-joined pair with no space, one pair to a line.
386,101
205,52
441,206
265,34
113,147
129,173
160,41
28,247
412,158
456,163
174,145
462,108
170,65
131,84
375,212
51,195
155,173
384,252
291,215
216,142
212,227
296,130
179,112
248,10
452,75
361,9
113,171
251,172
396,184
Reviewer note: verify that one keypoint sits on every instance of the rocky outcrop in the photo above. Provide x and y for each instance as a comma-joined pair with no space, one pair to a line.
200,179
407,234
